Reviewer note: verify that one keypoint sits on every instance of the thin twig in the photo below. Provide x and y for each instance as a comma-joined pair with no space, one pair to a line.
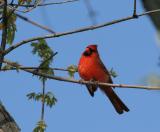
35,24
91,12
48,59
149,12
81,81
47,4
34,68
11,12
78,30
43,100
27,10
135,9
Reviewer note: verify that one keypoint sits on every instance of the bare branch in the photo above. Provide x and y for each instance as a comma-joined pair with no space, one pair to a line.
34,68
29,9
35,24
43,99
77,30
81,81
135,9
91,12
47,4
149,12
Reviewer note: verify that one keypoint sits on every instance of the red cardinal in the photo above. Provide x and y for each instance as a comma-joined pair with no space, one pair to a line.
91,68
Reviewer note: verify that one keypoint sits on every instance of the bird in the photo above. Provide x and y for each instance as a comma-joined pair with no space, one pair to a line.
91,68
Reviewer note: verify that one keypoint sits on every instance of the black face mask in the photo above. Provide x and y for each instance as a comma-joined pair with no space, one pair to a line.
88,52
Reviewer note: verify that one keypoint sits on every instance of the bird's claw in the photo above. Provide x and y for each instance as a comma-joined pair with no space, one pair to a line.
81,81
96,83
93,82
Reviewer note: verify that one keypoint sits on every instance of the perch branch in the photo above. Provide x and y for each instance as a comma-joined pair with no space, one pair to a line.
80,81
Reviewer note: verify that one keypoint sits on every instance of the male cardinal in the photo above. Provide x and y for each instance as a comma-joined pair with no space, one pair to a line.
91,68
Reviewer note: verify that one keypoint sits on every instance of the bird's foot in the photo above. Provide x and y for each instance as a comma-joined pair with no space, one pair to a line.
93,82
96,83
81,81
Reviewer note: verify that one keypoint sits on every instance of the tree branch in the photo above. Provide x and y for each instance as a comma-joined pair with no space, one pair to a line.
78,30
43,100
34,23
80,81
135,9
91,12
34,68
4,32
46,4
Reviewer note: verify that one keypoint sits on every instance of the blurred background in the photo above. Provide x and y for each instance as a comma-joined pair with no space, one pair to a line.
131,48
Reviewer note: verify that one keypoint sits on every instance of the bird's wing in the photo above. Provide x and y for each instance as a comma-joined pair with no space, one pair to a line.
106,71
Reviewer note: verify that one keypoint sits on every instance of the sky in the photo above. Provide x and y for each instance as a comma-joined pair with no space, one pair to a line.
130,48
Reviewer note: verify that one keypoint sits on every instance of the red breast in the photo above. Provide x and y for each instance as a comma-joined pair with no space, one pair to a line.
89,66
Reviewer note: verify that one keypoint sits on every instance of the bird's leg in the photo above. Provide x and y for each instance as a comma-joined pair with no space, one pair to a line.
91,87
81,81
91,81
96,83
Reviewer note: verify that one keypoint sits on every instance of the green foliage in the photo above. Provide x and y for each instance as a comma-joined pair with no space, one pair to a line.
49,98
11,25
46,54
24,1
35,96
9,67
11,33
72,69
113,73
41,127
42,49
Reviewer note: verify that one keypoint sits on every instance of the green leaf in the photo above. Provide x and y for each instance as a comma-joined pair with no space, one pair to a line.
11,33
16,65
72,69
27,2
42,49
46,54
31,96
113,73
50,99
7,67
41,127
11,26
35,96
